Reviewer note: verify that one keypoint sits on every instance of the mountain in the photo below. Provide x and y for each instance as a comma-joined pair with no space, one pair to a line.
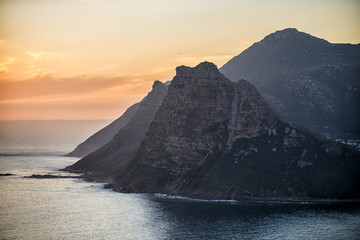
216,139
109,159
306,79
104,136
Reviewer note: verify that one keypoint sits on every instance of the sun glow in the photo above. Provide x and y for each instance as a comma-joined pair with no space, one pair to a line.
91,59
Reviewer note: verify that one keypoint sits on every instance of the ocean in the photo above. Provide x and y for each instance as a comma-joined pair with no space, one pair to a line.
72,208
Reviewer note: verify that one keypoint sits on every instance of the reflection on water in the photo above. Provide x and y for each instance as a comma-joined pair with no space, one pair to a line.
260,221
74,209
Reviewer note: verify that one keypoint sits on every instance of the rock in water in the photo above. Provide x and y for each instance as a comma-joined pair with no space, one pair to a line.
306,79
109,159
216,139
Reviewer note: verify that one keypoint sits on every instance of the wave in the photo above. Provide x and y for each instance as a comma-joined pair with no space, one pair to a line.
251,201
166,196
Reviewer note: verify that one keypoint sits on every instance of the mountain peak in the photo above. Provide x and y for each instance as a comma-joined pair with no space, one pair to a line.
206,66
213,138
281,50
204,69
156,84
288,31
291,35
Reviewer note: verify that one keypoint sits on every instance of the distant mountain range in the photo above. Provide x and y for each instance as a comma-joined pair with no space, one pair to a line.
212,138
204,136
308,80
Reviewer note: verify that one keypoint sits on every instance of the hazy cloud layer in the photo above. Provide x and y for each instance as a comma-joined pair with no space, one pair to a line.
71,98
51,86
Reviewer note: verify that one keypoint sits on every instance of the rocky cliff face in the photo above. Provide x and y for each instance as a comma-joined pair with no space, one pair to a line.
306,79
325,99
213,138
108,160
102,137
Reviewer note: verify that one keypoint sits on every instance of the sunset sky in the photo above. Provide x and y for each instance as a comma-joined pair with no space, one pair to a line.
91,59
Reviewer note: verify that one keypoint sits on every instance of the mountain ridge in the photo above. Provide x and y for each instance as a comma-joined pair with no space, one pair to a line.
216,139
269,46
213,138
104,162
334,70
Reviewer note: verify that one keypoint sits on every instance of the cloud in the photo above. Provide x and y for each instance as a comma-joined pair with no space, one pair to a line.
53,87
40,72
35,70
80,97
4,64
37,55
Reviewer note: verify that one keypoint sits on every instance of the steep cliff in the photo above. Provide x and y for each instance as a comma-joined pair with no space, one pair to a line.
111,158
217,139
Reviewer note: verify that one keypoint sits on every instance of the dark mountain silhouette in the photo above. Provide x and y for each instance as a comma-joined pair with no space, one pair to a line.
216,139
109,159
308,80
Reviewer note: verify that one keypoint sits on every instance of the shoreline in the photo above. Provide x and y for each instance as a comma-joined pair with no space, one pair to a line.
245,199
256,200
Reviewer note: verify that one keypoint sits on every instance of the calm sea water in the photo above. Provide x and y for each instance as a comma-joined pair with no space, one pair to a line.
75,209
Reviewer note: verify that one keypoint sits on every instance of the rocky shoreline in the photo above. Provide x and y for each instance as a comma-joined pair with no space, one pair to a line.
241,200
256,200
6,174
47,176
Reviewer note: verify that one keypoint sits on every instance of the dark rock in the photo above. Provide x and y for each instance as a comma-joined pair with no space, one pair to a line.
41,176
6,174
216,139
103,163
109,186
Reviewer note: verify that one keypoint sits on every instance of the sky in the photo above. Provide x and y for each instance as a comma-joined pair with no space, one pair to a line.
92,59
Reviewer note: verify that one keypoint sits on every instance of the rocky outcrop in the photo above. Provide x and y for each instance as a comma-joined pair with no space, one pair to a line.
306,79
47,176
216,139
100,138
108,160
6,174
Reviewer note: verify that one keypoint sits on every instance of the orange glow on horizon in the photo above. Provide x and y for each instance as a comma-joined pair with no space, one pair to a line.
92,59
